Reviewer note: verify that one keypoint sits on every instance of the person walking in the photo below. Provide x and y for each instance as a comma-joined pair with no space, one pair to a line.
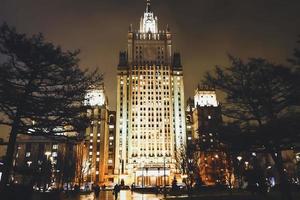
117,189
96,189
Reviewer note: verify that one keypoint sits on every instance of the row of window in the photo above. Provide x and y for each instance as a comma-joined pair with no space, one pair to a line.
161,91
136,68
150,155
167,134
149,72
150,114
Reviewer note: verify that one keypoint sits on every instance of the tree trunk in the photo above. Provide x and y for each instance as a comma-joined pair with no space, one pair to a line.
285,189
8,161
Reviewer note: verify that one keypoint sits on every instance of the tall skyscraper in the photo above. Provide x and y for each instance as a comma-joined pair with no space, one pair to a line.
150,125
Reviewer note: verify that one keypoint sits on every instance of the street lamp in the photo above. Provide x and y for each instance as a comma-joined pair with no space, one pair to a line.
120,169
142,165
142,175
47,153
239,158
165,194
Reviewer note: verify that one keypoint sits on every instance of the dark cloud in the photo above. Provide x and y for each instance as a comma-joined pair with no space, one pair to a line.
204,30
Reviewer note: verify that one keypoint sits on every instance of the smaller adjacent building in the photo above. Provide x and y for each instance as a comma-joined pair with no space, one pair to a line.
53,162
44,162
203,117
99,142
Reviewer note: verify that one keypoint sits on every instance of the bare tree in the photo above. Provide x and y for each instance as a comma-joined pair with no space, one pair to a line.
187,162
83,164
260,96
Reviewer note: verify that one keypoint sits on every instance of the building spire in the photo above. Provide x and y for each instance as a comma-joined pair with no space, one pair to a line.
148,8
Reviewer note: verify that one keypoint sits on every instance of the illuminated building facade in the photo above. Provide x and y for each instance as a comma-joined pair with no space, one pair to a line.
203,118
150,125
97,135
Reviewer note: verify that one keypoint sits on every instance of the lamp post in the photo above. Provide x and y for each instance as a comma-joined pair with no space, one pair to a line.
142,164
189,176
120,169
142,176
165,192
239,158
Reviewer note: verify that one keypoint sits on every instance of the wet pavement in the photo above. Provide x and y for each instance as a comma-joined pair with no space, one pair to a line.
123,195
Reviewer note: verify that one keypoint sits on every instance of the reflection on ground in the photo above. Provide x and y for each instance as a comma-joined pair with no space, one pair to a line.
123,195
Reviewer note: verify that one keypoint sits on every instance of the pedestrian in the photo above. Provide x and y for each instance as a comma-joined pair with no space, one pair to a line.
96,189
132,187
116,191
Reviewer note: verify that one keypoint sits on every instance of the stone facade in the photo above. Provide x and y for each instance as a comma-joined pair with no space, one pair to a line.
150,105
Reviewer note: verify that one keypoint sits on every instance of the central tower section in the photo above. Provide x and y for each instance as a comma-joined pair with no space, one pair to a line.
150,105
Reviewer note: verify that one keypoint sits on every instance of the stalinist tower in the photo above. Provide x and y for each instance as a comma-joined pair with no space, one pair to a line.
150,126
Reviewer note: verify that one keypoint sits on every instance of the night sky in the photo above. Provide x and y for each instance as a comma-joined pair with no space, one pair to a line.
204,31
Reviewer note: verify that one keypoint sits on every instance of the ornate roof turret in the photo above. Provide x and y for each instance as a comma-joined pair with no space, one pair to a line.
148,21
148,7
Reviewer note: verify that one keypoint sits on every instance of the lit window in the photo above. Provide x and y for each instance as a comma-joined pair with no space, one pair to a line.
111,126
209,117
91,146
98,153
27,154
55,146
90,153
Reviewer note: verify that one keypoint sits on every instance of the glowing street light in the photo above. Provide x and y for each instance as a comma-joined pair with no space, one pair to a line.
239,158
47,153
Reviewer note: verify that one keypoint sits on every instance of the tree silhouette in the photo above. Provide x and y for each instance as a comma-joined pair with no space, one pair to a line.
260,97
187,159
41,89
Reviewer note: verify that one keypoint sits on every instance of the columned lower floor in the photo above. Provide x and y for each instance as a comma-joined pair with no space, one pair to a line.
148,176
152,176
